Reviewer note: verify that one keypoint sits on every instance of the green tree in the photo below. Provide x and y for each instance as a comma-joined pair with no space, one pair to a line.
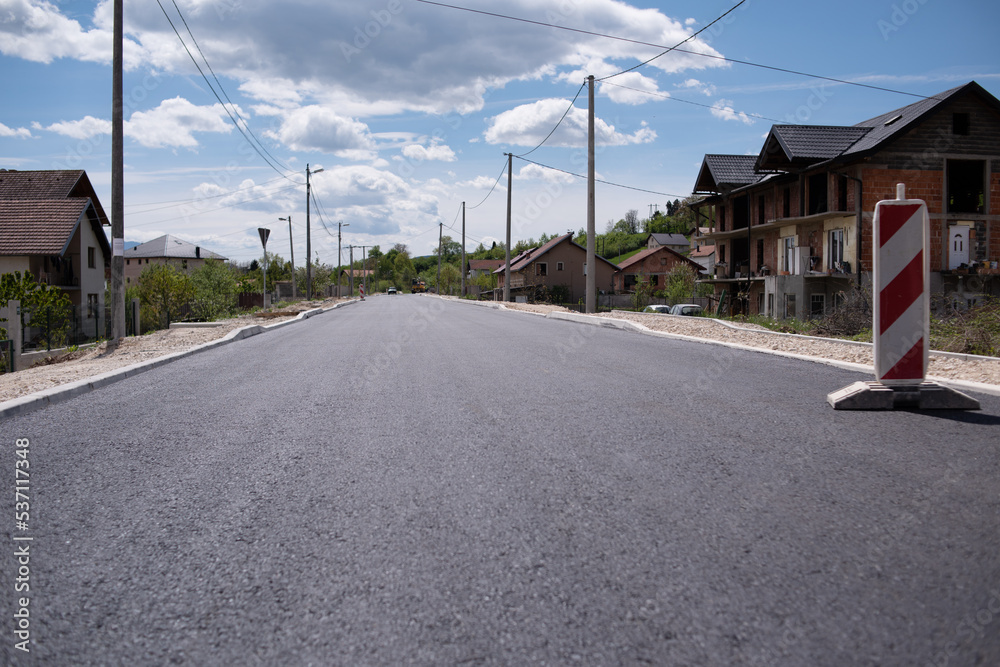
48,307
165,291
215,291
451,278
449,249
680,283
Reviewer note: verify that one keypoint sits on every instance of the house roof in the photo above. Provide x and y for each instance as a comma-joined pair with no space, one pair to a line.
649,252
358,272
172,247
669,239
50,184
485,264
723,172
45,226
528,256
702,251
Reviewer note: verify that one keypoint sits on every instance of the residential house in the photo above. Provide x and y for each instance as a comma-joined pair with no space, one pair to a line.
793,224
652,264
475,268
676,242
557,266
51,225
169,250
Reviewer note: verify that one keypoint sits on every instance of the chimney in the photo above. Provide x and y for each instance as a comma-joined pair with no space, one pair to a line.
197,252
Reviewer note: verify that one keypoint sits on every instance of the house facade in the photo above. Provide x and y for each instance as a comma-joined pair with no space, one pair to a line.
652,264
169,250
474,268
793,225
51,225
557,266
676,242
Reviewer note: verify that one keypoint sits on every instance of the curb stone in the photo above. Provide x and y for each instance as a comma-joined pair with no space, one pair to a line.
40,399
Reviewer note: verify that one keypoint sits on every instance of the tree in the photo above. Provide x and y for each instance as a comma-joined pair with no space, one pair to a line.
450,277
449,249
49,307
631,221
403,271
215,291
165,290
680,283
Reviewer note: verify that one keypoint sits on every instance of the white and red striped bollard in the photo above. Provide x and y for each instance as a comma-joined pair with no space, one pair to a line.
901,277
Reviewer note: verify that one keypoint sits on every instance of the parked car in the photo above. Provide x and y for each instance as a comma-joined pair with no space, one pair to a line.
657,309
391,290
686,309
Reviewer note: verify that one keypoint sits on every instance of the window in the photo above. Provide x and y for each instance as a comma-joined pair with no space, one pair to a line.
960,124
91,258
788,258
92,305
184,264
817,194
786,203
541,269
127,262
663,261
761,209
965,186
559,266
817,305
835,256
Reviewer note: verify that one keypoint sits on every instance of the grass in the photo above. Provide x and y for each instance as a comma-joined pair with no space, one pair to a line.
621,258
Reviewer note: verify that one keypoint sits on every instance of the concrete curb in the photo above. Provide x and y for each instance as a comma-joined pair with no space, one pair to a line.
40,399
593,320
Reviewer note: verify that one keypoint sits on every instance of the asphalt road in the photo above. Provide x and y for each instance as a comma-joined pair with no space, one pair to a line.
413,481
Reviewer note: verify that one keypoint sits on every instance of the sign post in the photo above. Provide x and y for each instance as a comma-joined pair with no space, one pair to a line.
264,233
901,320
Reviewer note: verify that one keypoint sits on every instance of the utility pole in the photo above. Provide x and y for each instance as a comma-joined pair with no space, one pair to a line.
117,182
463,250
364,268
506,273
309,280
440,231
340,260
591,225
291,251
350,276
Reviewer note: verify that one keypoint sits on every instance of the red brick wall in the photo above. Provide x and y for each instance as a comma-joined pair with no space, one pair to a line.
995,193
881,184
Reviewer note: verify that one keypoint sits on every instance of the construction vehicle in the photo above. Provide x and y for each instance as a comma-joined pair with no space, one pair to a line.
418,286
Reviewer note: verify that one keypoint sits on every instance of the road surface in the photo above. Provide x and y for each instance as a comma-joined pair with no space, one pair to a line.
415,481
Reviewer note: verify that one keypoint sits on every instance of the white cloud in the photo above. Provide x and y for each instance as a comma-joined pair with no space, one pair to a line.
435,151
322,129
531,172
724,109
21,132
484,183
174,123
706,89
84,128
528,125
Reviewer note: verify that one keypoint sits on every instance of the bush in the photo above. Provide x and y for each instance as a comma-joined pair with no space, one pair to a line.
165,291
215,291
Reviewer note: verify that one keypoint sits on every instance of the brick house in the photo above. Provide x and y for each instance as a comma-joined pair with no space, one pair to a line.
652,264
793,225
558,264
677,242
51,226
167,249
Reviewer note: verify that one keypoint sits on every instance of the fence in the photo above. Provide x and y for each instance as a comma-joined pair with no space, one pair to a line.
47,328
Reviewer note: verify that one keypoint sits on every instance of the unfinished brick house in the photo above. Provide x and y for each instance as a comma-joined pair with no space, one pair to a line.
652,264
793,225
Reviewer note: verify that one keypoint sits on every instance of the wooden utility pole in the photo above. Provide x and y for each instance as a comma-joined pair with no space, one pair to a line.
291,252
506,273
463,249
591,225
350,276
117,182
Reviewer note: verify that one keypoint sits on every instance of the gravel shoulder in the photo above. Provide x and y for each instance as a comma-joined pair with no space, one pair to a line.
89,362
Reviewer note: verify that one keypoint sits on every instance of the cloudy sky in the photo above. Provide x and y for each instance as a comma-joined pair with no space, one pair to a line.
409,107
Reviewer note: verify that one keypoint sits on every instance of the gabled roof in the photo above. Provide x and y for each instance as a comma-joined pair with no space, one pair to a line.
172,247
725,172
801,145
485,264
669,239
46,226
528,256
649,252
702,251
49,184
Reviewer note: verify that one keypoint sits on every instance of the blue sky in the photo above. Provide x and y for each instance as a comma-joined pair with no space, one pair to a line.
409,107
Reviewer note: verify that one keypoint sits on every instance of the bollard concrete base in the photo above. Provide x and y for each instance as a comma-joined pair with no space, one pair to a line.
877,396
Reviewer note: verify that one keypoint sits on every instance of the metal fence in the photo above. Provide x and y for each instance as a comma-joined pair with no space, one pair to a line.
47,328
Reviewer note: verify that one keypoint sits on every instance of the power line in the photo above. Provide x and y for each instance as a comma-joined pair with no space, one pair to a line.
180,202
212,210
617,185
214,92
697,104
557,124
502,172
693,53
680,43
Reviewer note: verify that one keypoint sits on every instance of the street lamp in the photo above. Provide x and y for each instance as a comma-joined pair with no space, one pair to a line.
309,281
339,261
291,250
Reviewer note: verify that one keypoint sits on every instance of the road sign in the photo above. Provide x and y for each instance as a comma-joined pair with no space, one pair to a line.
901,285
264,233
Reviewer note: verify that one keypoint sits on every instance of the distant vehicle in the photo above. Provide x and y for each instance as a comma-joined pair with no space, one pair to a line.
686,309
418,286
657,309
391,290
